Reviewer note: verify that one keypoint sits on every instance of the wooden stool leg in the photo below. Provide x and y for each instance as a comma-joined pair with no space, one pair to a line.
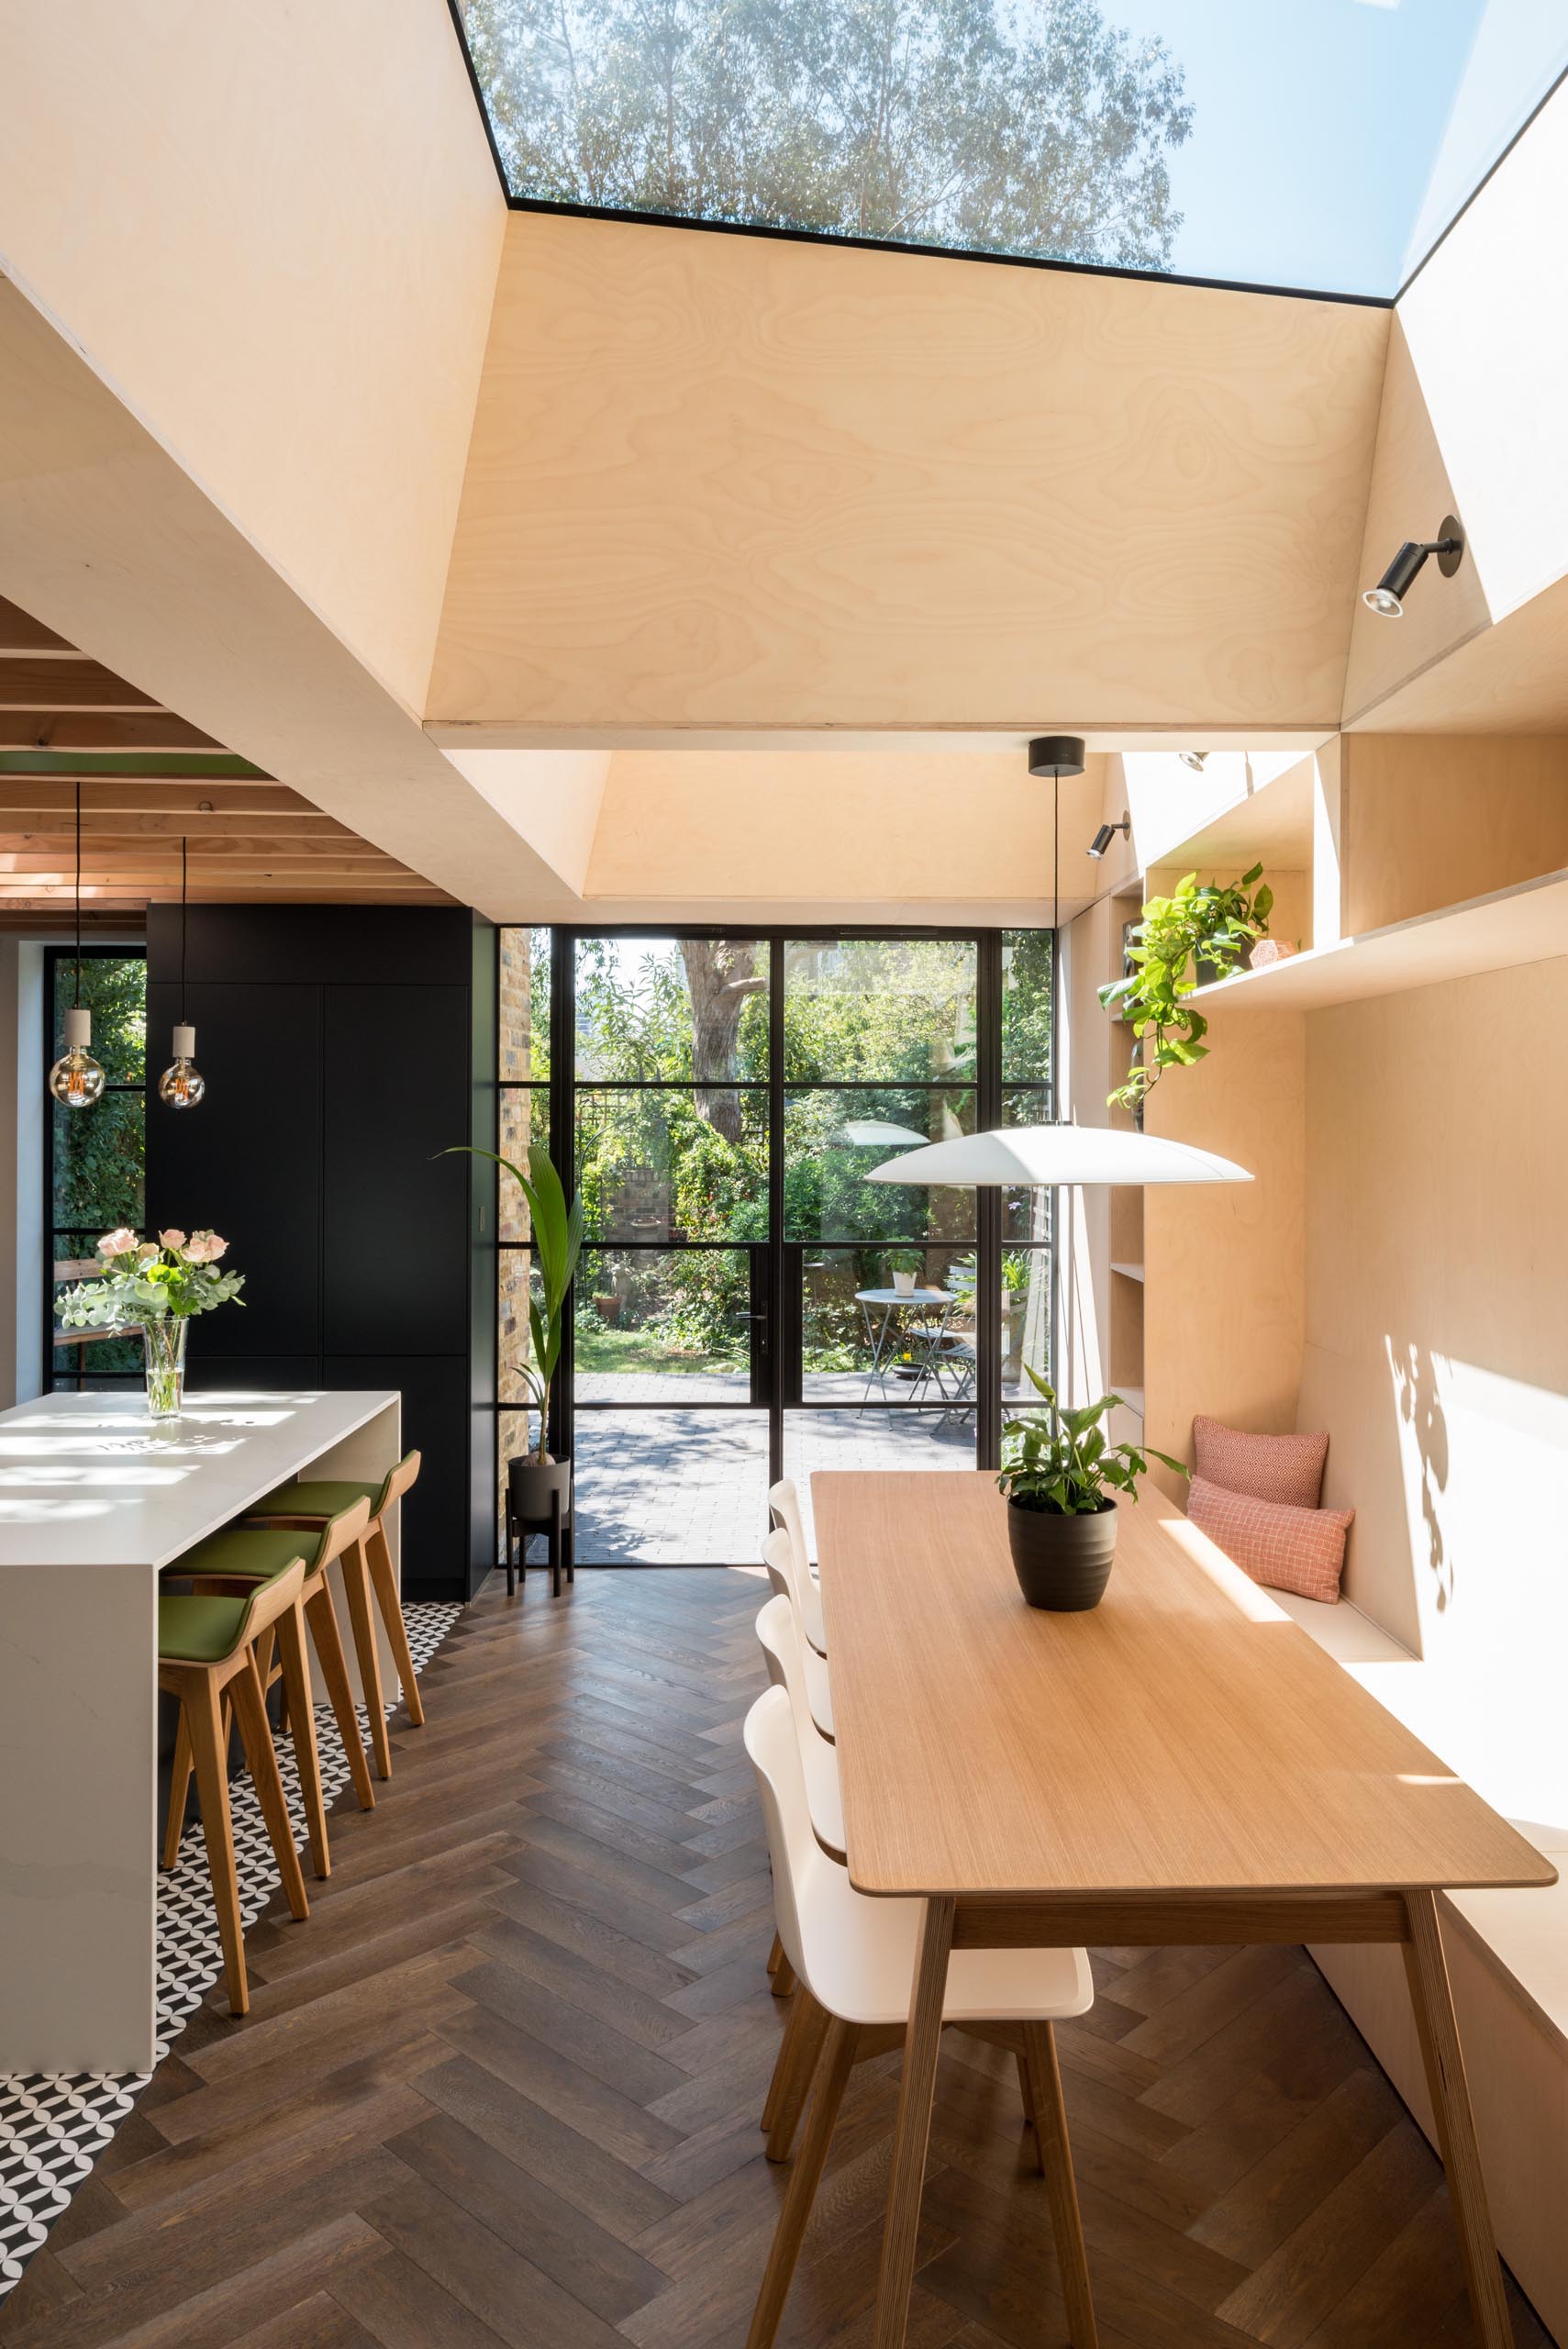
838,2056
1061,2188
385,1585
912,2132
1426,1970
256,1730
357,1589
179,1792
323,1621
209,1752
302,1713
808,2029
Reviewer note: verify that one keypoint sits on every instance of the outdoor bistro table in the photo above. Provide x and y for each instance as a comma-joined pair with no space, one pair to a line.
890,1303
1180,1764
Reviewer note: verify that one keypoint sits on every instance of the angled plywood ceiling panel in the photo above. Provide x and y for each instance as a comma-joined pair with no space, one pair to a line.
721,483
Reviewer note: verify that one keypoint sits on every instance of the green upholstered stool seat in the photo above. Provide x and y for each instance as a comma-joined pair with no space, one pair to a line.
253,1553
200,1631
322,1496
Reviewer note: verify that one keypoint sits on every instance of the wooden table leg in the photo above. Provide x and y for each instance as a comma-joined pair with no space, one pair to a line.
1427,1971
913,2132
1061,2188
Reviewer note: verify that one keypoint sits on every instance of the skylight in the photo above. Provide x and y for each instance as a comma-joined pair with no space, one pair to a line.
1320,145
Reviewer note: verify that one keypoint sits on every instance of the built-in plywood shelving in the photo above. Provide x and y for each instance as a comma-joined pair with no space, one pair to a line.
1128,1272
1527,923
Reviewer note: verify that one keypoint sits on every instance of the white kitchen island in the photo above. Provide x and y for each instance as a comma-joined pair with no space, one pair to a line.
95,1499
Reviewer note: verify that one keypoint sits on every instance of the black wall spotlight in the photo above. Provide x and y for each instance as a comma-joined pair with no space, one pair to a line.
1056,754
1107,833
1386,599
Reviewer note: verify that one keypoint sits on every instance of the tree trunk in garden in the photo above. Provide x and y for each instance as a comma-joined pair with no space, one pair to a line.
721,973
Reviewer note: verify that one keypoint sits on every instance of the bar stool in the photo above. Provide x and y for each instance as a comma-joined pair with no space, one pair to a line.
207,1657
855,1958
367,1567
233,1563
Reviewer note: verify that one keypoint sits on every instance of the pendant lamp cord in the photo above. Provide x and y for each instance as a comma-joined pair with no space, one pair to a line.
185,845
78,893
1055,933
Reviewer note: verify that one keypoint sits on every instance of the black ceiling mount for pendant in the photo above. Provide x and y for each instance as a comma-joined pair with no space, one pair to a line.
1056,754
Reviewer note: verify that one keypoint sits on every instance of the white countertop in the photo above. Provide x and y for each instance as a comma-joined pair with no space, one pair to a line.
89,1480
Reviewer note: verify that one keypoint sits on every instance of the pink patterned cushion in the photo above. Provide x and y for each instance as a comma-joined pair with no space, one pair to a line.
1290,1549
1270,1468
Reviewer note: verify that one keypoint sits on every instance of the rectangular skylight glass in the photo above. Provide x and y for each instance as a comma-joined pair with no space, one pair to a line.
1317,145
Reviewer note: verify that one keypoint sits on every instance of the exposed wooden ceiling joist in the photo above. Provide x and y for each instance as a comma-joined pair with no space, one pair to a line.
245,838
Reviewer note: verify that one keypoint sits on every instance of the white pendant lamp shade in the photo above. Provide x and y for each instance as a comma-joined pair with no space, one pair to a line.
1049,1156
875,1134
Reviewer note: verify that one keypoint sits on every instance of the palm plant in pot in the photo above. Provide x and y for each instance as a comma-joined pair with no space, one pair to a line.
556,1238
1061,1478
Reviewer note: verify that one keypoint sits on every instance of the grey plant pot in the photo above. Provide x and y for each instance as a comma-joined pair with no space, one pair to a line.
1063,1563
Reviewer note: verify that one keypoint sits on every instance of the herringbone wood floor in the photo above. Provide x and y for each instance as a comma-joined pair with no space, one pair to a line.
503,2086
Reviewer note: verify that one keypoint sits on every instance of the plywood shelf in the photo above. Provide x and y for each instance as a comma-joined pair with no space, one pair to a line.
1128,1272
1524,924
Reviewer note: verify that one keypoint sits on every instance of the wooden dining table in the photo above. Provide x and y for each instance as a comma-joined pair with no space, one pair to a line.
1181,1765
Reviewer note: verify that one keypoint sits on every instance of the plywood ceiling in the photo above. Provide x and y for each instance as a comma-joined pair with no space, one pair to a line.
249,840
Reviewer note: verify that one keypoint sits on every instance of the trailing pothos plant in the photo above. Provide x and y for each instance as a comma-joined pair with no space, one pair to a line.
1064,1467
1199,923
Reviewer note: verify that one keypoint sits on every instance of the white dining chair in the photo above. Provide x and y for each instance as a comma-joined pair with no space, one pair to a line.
780,1561
784,1650
785,1572
855,1959
783,1501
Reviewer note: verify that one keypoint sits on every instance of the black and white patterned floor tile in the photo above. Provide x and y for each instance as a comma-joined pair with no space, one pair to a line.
52,2130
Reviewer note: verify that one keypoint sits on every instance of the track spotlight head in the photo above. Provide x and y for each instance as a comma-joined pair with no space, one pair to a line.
1107,833
1387,599
1056,754
1196,760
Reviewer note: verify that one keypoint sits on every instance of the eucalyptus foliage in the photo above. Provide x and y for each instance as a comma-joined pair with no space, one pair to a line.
1062,1466
1197,924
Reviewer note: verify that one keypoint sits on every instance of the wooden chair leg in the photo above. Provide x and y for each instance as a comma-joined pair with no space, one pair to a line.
774,1955
783,1978
1031,2118
210,1754
384,1583
256,1730
837,2057
302,1714
796,2030
361,1621
1061,2188
808,2029
323,1620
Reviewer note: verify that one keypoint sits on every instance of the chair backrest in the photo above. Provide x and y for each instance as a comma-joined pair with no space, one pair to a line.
399,1480
785,1503
778,1635
786,1575
796,1857
338,1534
269,1601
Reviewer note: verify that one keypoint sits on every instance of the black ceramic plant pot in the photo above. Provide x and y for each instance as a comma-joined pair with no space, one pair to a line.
532,1483
1062,1563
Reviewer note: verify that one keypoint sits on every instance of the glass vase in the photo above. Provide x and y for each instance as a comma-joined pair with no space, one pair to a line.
164,1343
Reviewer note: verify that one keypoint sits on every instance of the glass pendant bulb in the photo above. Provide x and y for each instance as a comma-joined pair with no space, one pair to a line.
182,1085
76,1079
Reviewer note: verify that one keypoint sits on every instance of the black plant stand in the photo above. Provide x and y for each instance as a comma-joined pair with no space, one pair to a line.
523,1518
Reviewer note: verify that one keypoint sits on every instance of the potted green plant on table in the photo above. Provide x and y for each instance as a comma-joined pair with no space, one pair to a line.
1201,933
1061,1478
907,1263
556,1241
157,1287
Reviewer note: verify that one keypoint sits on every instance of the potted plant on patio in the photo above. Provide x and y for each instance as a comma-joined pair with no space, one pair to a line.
556,1241
1061,1478
907,1263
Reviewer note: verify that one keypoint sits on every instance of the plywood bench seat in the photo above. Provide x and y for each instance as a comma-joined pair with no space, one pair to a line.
1524,1935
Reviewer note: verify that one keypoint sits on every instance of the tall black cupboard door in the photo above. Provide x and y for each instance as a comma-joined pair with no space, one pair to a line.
397,1095
247,1159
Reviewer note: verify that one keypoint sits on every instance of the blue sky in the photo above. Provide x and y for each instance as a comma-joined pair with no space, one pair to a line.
1319,125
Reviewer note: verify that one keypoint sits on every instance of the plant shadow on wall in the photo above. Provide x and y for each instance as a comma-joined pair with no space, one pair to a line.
1202,932
1421,1411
